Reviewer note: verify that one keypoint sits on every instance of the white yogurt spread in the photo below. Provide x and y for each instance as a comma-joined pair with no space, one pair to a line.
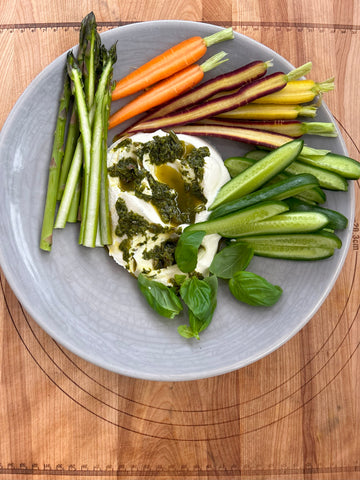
132,258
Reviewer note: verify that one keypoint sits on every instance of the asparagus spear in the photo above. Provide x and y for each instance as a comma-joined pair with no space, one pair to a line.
55,167
73,215
84,121
105,223
71,141
72,184
86,28
91,39
99,127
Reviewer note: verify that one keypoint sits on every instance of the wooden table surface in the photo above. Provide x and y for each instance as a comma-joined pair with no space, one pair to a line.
294,414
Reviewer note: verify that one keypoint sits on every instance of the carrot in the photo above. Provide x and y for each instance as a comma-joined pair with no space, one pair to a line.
270,111
298,91
165,90
167,63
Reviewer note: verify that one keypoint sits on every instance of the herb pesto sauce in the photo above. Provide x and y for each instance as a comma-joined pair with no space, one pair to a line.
158,184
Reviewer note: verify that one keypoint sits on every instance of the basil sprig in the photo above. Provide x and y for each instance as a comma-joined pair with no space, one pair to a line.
200,296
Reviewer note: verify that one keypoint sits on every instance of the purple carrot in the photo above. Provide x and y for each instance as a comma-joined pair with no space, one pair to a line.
293,128
215,106
222,83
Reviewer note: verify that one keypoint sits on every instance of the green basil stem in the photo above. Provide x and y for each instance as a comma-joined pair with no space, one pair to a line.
55,168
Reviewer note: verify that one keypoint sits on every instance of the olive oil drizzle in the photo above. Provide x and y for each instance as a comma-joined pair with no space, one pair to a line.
176,194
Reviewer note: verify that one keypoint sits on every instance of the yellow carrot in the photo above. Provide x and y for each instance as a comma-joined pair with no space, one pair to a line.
253,111
298,91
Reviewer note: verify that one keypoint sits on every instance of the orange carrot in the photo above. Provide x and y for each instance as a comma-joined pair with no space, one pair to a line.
165,90
167,63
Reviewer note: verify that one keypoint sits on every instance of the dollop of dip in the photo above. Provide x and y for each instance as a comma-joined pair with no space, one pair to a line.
158,184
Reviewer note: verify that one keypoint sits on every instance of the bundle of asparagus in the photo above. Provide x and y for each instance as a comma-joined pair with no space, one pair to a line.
77,181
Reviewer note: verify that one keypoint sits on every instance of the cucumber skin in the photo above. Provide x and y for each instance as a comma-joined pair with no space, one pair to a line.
259,173
296,253
236,165
337,221
285,223
344,166
327,179
321,239
226,226
277,191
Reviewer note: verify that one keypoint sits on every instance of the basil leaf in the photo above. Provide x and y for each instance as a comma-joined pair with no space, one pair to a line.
253,289
196,294
212,281
201,298
230,260
186,251
185,331
161,298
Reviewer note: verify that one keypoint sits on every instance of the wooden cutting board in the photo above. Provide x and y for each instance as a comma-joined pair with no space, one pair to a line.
293,414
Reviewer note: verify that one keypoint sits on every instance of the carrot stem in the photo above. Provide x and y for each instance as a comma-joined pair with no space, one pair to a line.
213,61
221,36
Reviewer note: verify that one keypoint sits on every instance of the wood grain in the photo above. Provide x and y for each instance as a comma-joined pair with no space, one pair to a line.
293,414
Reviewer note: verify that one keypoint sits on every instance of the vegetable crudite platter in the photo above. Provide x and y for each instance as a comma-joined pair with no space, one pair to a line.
230,228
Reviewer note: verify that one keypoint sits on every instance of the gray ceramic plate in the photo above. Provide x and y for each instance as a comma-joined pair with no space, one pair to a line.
89,304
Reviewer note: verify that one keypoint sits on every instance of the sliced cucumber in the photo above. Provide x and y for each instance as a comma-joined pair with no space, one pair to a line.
236,165
293,252
288,222
231,225
321,239
337,221
259,173
281,190
327,179
345,166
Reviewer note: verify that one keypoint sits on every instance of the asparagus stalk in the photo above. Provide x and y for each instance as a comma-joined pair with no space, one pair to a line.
73,131
71,141
55,168
85,129
91,40
73,215
99,126
71,185
105,223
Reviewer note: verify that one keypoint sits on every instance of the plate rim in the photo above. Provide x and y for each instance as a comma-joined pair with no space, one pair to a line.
127,370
